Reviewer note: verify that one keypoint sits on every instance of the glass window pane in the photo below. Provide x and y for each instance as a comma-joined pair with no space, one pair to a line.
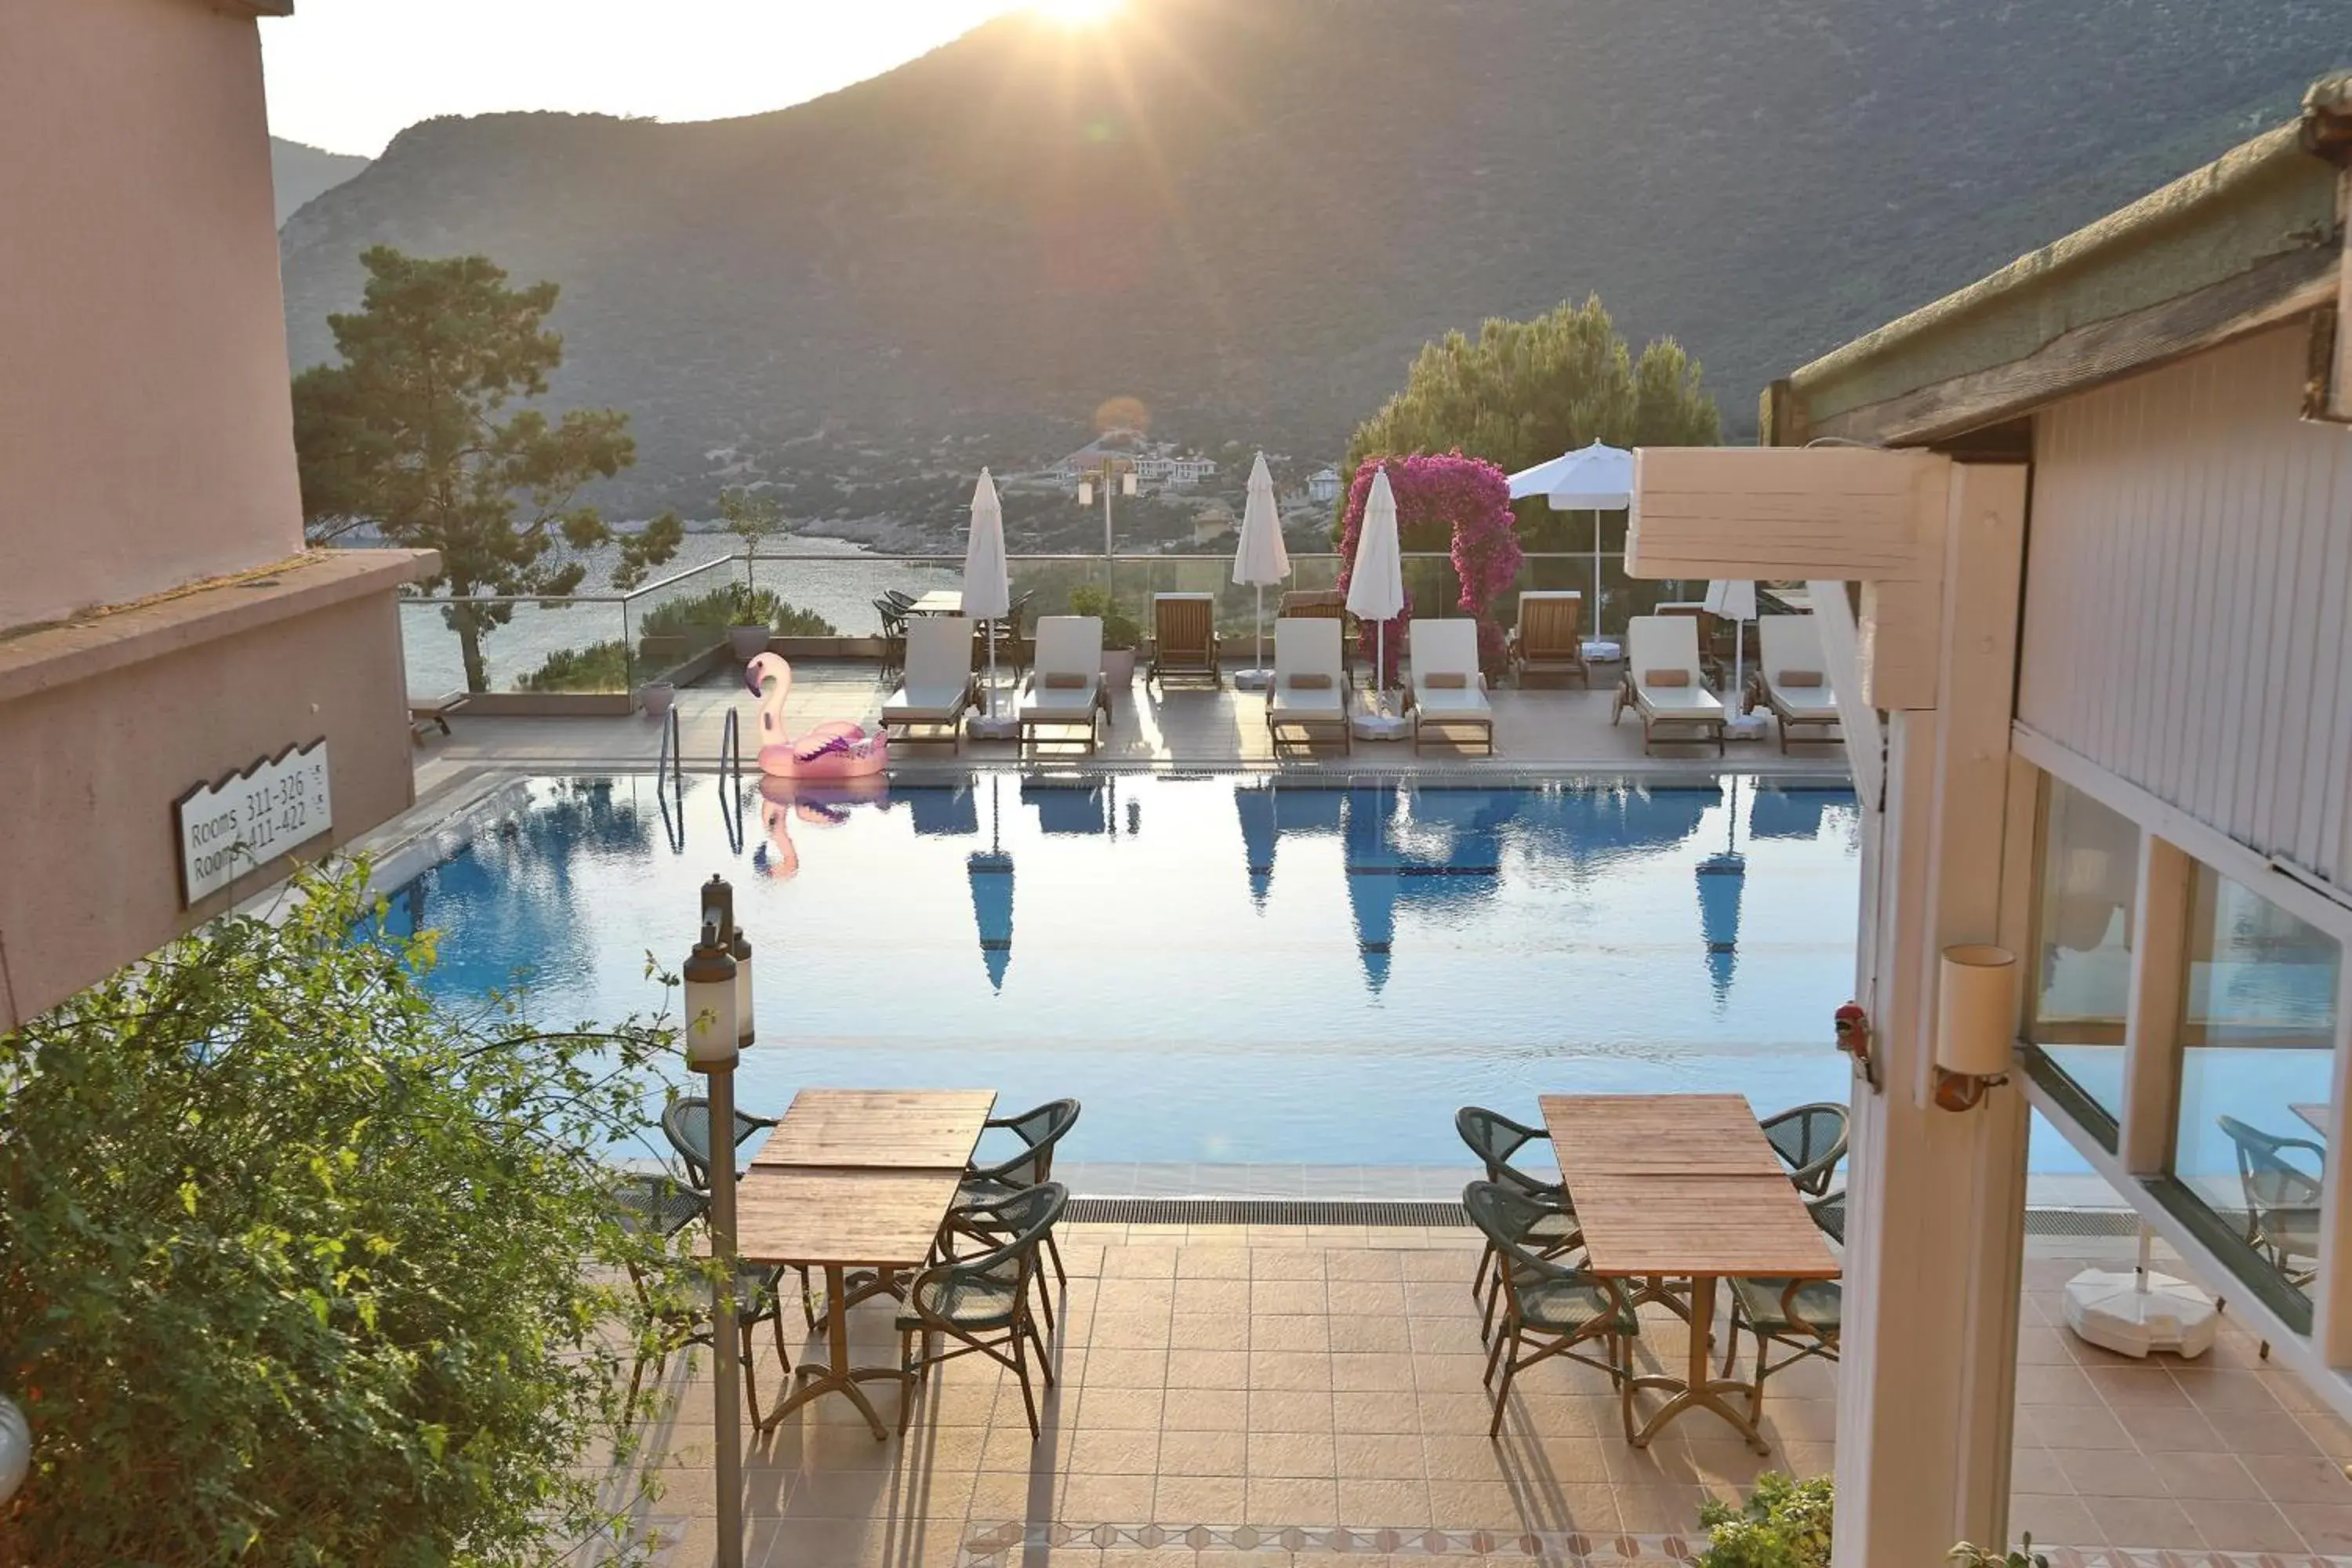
2082,981
2258,1032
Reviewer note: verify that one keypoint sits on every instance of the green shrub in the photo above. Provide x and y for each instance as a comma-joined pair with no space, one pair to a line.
2021,1555
300,1268
1119,629
1785,1524
700,622
598,667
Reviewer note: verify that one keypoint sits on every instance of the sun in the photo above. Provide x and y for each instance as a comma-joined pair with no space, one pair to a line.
1077,12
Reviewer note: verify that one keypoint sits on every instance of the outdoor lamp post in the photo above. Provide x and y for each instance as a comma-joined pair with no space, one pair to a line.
718,976
1116,474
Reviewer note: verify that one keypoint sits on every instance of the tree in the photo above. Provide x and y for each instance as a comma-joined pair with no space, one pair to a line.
300,1267
751,518
406,434
1523,391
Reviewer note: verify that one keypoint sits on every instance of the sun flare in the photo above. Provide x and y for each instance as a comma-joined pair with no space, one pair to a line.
1077,12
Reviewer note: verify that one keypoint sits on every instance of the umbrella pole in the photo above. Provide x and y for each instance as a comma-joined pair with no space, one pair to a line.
991,669
1260,662
1597,633
1380,667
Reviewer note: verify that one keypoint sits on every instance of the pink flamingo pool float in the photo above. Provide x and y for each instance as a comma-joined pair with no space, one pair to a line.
838,749
783,799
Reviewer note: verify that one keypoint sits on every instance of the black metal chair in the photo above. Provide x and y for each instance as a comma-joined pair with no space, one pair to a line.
1038,1130
982,1304
1555,1307
2281,1197
1799,1316
686,1122
659,1205
1810,1141
1495,1137
893,618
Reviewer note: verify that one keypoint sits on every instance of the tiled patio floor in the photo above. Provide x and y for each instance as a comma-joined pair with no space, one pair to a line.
1261,1395
1549,729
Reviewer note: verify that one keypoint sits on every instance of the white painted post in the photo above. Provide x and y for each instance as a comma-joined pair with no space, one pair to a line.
1937,1207
2331,1306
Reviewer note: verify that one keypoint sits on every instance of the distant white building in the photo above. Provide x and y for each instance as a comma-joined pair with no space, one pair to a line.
1323,485
1157,465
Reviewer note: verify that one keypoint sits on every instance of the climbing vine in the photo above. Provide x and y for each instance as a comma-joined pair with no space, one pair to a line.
1444,501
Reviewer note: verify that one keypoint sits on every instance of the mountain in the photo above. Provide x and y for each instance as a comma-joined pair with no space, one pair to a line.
1251,213
300,173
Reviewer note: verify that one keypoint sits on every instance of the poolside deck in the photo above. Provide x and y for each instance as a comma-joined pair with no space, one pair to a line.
1238,1396
1552,730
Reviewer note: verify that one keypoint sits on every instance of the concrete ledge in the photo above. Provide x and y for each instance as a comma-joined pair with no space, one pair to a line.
133,634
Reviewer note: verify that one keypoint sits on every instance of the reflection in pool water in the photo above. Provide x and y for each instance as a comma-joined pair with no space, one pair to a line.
1221,968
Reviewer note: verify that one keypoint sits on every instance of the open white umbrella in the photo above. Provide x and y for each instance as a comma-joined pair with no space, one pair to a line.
987,588
1736,602
1260,559
1596,479
1376,591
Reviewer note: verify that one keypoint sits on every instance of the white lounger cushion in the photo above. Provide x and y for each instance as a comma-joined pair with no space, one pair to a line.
1066,646
1448,648
1307,646
939,670
1794,642
1668,642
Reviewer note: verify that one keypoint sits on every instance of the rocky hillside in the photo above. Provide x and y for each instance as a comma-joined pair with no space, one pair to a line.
1250,212
300,171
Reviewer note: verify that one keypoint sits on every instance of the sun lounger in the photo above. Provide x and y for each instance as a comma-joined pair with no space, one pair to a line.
1449,692
1183,637
1550,637
1065,689
1664,682
427,714
1309,698
928,707
1312,604
1791,680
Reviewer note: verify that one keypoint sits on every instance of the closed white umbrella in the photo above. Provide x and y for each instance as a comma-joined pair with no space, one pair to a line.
1596,478
1736,600
987,588
1376,584
1260,559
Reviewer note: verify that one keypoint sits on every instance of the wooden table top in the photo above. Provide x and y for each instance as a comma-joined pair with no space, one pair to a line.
1658,1134
1677,1226
853,1219
879,1129
2314,1116
938,602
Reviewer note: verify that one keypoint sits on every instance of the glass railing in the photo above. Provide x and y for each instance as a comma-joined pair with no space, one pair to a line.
616,642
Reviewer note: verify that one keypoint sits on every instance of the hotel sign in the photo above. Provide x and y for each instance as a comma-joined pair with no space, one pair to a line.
252,817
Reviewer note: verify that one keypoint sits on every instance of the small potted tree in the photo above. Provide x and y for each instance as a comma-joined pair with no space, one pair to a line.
749,518
1122,635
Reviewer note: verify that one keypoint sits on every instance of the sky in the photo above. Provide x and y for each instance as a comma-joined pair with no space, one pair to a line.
348,75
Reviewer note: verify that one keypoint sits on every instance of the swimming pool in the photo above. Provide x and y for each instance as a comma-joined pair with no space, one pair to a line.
1226,968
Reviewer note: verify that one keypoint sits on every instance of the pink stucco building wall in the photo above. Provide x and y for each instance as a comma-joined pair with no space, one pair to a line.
146,428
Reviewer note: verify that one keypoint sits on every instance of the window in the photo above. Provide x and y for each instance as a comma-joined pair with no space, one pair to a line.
2258,1034
2083,957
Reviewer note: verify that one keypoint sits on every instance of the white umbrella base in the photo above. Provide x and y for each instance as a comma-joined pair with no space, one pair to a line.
1371,724
994,719
2110,1309
1253,679
1747,727
1602,649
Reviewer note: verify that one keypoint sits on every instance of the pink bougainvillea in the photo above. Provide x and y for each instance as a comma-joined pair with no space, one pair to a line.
1444,501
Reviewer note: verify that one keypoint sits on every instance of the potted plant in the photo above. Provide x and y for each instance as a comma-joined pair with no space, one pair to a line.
749,518
1122,635
655,696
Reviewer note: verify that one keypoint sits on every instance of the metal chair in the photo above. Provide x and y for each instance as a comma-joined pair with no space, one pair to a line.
1495,1137
1810,1141
982,1304
1560,1307
659,1205
2282,1198
686,1122
1039,1130
893,616
1799,1316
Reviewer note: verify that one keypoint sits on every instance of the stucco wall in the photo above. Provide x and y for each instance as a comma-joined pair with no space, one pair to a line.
146,433
87,831
2186,621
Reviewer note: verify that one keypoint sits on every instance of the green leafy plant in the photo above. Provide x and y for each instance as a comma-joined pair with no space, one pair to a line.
2021,1555
673,633
1785,1523
300,1269
1120,631
751,518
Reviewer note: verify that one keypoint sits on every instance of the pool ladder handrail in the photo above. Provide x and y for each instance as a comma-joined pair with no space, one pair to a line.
668,770
730,782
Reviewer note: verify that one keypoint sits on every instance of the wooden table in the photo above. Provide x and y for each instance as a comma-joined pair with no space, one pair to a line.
879,1129
856,1178
838,1220
939,602
2316,1117
1726,1210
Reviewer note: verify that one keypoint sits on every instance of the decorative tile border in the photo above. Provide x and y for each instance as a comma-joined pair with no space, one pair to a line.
1004,1546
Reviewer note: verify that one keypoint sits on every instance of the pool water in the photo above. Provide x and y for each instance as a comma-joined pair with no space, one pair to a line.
1224,969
